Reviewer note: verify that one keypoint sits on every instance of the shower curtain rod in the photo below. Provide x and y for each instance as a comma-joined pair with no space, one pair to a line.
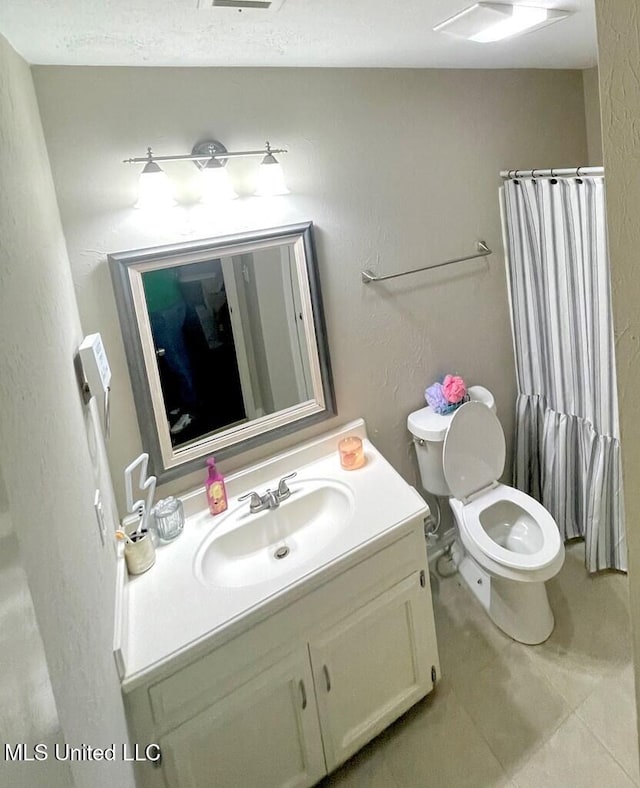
571,172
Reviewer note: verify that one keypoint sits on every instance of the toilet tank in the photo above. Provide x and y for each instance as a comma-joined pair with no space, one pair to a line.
429,430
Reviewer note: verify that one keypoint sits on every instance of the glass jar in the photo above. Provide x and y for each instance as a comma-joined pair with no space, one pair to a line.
352,454
169,518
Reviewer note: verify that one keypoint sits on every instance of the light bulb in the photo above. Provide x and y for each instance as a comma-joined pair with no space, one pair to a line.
216,185
270,178
154,189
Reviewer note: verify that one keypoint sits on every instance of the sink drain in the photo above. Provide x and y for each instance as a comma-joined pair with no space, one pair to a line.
281,552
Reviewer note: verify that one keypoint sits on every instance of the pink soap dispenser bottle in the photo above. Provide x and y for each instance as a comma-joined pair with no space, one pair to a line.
216,490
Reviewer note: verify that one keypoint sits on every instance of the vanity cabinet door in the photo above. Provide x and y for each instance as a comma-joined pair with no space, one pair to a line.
373,666
265,734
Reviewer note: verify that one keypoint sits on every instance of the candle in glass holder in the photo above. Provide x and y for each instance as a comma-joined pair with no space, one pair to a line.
351,453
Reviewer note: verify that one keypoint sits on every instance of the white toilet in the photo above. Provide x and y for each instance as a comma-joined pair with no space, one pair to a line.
508,544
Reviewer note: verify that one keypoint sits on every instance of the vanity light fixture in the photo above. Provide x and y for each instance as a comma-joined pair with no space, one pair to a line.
270,176
489,22
211,158
216,184
154,189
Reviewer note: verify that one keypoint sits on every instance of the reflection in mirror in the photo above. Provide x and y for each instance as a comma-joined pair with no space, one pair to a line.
225,343
227,331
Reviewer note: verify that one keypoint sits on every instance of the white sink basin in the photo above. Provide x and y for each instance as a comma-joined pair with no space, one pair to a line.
246,549
222,571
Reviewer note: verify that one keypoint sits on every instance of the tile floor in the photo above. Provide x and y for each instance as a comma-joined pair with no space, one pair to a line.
504,715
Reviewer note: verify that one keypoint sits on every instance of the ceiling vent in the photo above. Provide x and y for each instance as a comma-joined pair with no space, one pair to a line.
257,7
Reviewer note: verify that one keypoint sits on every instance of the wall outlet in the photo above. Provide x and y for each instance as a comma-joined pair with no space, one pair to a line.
97,506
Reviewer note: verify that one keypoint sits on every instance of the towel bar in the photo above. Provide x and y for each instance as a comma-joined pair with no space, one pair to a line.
483,251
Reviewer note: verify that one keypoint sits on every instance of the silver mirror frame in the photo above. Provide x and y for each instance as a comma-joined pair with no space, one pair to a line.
126,273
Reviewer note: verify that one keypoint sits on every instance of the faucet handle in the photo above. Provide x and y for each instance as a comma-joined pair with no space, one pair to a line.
256,501
283,488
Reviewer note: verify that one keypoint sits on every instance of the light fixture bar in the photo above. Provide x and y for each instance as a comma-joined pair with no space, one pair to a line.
211,158
205,156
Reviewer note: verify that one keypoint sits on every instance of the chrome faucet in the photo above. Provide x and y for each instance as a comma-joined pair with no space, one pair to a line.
271,498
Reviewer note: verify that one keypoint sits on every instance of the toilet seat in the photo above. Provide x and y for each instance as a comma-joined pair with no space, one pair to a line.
545,548
489,512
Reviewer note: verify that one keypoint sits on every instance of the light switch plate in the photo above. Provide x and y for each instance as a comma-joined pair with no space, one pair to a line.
97,505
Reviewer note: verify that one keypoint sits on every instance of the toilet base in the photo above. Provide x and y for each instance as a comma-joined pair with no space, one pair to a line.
520,609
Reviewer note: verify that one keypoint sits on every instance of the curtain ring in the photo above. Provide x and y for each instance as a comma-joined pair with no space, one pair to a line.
578,171
533,174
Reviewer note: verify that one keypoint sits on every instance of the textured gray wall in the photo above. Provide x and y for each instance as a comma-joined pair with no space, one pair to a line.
50,456
397,169
619,46
592,115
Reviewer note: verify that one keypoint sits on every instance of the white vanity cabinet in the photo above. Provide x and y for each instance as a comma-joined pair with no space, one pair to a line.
264,733
286,701
372,667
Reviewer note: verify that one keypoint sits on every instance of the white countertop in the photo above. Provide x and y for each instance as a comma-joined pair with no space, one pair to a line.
167,610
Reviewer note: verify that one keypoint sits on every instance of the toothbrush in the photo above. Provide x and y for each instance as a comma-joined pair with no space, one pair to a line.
124,537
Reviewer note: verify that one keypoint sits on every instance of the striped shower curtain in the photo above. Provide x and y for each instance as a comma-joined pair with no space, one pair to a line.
567,437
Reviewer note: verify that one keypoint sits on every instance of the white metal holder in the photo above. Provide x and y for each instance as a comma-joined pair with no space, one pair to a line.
145,482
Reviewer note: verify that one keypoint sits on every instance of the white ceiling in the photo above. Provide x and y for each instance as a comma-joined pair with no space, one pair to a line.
325,33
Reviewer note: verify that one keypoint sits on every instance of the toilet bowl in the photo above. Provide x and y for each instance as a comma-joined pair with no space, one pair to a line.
508,545
510,534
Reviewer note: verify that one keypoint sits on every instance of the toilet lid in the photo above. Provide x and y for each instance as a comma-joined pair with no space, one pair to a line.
474,450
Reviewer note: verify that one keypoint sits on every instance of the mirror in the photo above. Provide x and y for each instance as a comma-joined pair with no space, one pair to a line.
225,341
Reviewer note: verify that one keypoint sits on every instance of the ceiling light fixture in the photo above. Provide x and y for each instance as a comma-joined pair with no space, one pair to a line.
485,23
211,158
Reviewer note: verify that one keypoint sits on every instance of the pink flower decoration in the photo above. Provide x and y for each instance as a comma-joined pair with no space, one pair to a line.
454,388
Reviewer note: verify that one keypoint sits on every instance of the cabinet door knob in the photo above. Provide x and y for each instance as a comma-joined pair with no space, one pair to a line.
327,677
303,692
